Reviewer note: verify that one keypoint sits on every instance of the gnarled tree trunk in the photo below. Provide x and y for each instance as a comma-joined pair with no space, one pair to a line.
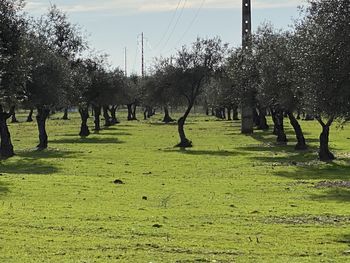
262,120
30,116
134,112
184,142
235,113
42,115
106,116
97,114
229,111
167,118
6,147
65,114
145,113
256,118
301,145
113,111
279,126
13,118
129,112
325,154
84,128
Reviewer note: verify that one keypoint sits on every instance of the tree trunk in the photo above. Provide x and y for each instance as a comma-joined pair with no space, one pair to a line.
184,142
6,147
84,128
13,118
30,116
65,114
325,154
113,111
309,117
129,112
247,119
256,118
275,123
229,116
223,113
42,115
167,118
281,135
145,115
97,114
235,113
207,111
149,112
212,111
301,145
106,116
262,120
134,112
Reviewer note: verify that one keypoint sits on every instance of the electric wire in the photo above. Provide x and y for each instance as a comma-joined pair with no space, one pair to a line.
169,25
175,25
190,25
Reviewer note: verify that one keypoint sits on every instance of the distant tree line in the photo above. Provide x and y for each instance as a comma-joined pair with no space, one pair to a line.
46,65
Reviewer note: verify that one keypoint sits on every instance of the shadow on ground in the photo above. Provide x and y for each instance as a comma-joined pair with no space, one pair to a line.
345,239
221,153
27,166
89,140
101,133
336,194
45,154
3,189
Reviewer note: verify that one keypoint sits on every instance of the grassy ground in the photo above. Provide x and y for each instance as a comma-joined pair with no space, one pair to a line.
232,198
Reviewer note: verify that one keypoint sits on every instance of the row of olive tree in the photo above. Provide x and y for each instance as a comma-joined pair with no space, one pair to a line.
43,67
304,70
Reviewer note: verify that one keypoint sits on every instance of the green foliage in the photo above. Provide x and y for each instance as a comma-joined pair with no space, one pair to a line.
324,44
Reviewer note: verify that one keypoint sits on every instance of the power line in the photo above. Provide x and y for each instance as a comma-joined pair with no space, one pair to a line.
170,23
191,23
174,27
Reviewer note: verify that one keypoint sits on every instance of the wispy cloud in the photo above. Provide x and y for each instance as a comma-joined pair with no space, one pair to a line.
141,6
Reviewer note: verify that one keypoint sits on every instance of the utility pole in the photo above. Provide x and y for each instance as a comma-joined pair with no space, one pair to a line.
125,62
248,97
143,57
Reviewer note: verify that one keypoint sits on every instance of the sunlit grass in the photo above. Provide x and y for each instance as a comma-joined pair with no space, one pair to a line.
231,198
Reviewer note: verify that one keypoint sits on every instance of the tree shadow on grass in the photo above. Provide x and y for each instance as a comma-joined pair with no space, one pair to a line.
318,171
101,133
268,137
344,239
3,189
336,194
163,123
27,166
291,157
88,140
45,154
221,153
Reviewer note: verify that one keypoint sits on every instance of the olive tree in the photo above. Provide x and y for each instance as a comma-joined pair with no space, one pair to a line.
194,67
323,38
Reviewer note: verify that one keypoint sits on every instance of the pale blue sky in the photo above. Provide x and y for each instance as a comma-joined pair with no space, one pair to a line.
113,25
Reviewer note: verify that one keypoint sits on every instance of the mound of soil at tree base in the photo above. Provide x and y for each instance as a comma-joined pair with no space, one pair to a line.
331,184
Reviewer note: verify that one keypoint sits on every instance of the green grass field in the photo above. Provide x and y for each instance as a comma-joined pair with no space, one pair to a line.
231,198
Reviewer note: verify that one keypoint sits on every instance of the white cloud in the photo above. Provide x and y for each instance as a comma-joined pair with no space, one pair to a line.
138,6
